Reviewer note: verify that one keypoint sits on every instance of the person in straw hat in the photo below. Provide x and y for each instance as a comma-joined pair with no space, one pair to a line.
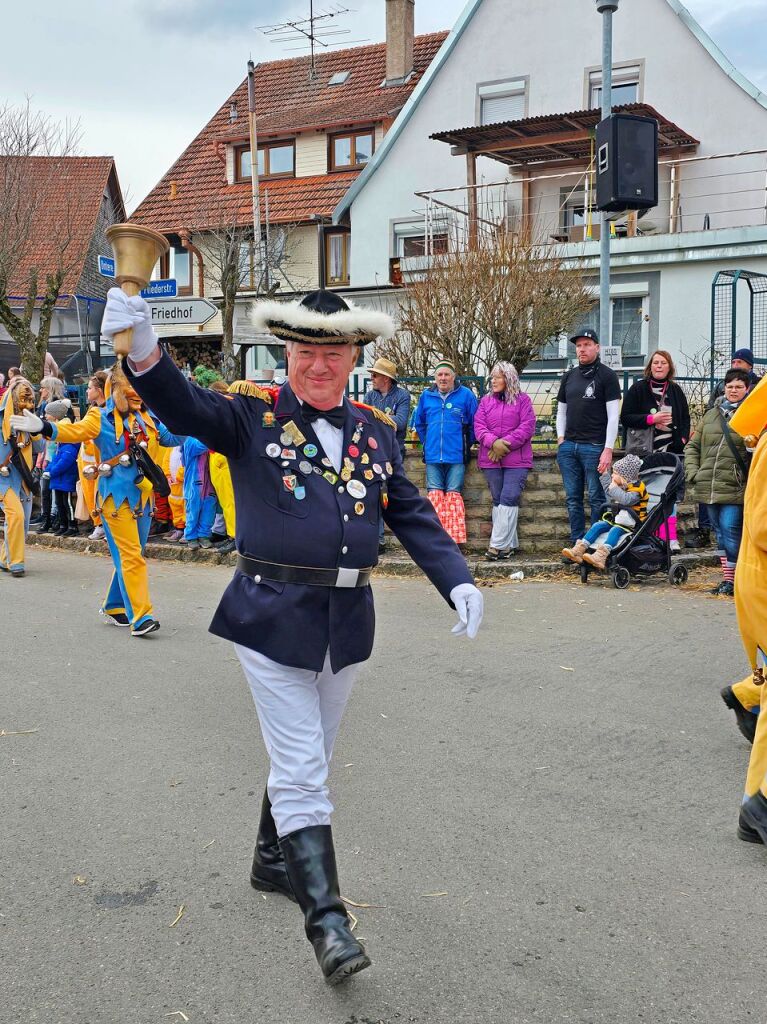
299,609
387,395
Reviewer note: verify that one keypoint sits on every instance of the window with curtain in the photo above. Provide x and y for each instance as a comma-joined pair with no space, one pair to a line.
337,257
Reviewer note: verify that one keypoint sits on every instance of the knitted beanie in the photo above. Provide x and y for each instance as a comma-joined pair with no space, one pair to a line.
628,467
59,409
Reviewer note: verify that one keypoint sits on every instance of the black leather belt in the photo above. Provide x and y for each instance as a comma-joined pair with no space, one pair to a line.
304,575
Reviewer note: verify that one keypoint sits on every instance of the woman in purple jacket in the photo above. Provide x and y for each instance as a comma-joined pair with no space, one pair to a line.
504,425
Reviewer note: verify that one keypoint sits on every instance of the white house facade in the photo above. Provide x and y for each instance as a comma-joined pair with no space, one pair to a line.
517,65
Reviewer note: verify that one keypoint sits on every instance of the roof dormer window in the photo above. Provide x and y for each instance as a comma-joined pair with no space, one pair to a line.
339,78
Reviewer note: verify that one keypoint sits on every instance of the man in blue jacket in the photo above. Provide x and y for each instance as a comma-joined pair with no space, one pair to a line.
310,470
444,421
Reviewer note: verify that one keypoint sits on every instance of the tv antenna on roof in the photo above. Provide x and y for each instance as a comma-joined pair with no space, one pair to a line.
306,32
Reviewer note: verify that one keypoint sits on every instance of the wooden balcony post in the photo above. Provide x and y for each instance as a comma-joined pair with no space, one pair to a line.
471,181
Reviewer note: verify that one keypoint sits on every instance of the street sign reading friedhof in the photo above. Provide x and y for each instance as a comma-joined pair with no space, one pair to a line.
106,265
159,289
611,356
171,312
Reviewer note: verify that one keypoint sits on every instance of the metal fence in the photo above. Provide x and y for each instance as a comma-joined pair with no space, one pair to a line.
542,386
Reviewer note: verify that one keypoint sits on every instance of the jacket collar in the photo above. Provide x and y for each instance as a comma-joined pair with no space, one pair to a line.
287,406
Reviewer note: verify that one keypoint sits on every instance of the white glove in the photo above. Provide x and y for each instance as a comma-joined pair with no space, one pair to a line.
26,423
123,311
469,604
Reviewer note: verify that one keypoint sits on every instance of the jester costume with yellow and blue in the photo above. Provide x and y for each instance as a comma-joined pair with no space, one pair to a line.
15,494
124,495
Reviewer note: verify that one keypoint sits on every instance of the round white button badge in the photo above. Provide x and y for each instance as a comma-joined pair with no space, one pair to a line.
356,488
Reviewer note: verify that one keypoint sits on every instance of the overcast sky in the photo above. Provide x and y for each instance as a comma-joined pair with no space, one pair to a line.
145,80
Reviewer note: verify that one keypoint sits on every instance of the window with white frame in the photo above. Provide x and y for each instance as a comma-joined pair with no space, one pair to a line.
502,101
627,324
625,86
410,239
574,213
554,348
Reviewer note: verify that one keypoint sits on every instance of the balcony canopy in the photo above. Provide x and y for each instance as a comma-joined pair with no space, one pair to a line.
554,138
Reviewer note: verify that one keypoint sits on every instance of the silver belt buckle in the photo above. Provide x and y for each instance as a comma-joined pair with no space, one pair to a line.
347,577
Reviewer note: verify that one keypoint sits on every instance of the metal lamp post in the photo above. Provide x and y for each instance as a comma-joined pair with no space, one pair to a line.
606,8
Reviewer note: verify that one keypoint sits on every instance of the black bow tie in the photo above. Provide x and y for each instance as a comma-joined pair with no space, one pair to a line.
335,417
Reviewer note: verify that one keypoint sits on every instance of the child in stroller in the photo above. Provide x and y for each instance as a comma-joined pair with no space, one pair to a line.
644,550
628,508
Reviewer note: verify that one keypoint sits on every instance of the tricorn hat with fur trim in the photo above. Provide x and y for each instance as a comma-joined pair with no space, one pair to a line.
321,318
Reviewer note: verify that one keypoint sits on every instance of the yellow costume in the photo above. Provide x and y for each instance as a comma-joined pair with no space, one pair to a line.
15,497
751,598
176,481
124,499
221,479
89,456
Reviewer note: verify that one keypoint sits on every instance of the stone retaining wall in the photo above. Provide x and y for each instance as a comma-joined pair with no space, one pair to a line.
543,525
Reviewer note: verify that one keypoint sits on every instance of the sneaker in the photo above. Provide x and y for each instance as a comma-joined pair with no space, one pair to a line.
71,531
227,547
150,626
675,546
726,589
98,534
18,573
158,527
115,618
175,536
205,542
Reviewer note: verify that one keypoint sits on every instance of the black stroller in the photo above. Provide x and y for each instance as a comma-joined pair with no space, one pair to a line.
642,553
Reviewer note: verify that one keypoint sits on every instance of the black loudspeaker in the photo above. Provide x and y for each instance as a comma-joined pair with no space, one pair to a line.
627,162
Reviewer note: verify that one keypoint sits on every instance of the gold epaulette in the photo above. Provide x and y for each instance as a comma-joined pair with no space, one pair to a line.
382,416
247,387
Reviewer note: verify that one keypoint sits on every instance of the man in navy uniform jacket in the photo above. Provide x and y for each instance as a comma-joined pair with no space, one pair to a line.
310,471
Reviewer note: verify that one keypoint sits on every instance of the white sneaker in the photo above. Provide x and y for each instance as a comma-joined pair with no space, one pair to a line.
98,534
675,545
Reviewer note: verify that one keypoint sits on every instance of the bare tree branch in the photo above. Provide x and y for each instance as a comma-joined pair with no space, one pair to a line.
502,300
25,136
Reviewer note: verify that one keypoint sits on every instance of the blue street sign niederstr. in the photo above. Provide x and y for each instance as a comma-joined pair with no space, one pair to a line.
160,290
106,266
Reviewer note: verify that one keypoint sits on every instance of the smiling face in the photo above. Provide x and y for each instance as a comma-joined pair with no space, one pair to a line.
318,374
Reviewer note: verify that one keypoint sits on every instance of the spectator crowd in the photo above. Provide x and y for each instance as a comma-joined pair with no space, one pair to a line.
450,424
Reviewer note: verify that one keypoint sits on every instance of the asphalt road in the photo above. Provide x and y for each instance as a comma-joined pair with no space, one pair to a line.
544,819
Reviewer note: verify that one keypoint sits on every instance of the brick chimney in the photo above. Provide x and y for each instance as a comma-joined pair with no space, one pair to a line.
400,22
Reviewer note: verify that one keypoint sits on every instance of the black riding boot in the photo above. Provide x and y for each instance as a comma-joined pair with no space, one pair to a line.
268,871
311,864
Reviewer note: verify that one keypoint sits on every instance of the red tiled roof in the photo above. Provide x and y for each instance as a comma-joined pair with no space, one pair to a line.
66,192
286,103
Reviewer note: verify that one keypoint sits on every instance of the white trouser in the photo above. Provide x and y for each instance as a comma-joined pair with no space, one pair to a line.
504,533
299,712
